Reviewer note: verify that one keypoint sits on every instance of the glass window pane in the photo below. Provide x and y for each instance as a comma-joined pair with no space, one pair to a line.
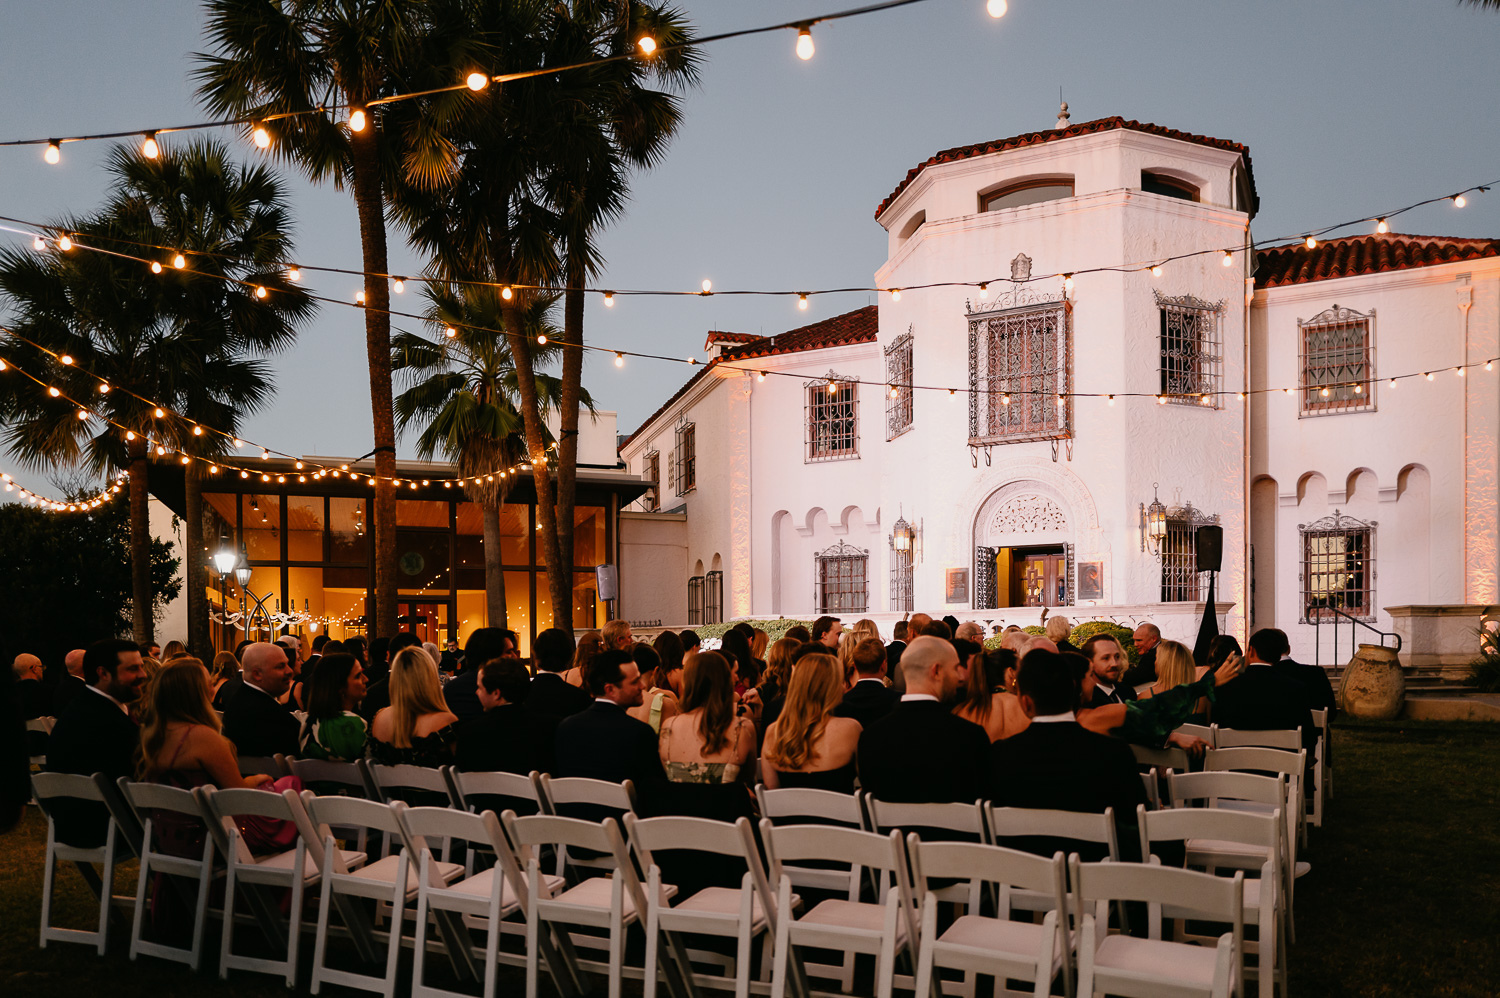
588,609
421,561
304,528
471,612
514,544
588,536
261,516
347,525
422,513
335,597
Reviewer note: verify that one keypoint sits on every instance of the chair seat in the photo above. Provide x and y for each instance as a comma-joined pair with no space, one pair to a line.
482,883
852,915
1182,963
998,937
595,892
1302,869
384,871
1226,853
724,901
285,860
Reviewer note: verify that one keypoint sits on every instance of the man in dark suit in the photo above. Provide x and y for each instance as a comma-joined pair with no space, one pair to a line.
922,753
30,694
71,684
550,693
1312,678
506,738
1057,764
1145,639
895,648
606,743
485,644
1107,662
254,721
869,699
96,735
1262,699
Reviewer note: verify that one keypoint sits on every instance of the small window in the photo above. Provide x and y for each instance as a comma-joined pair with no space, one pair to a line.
1338,369
687,459
832,420
1170,187
1338,569
695,599
1027,192
898,399
1020,364
651,471
713,598
842,580
1191,351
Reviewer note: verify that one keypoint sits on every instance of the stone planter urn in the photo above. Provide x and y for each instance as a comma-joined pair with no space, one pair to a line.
1373,686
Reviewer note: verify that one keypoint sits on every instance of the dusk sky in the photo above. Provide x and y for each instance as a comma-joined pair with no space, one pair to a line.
1349,108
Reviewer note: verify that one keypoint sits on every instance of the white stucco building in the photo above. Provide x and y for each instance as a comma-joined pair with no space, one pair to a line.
987,451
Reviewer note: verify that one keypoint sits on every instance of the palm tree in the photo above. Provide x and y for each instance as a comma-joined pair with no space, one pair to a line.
462,393
296,58
234,224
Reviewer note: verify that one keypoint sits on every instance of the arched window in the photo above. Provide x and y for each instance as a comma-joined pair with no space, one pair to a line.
1033,191
1171,187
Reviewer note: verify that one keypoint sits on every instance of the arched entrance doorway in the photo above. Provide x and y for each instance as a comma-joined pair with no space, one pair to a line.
1023,548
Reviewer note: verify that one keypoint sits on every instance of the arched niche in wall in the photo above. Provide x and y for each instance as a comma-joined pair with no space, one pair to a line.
910,226
1412,540
1263,544
781,536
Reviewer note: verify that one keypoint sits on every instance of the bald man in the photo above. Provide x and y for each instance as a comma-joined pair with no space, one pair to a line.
921,752
71,684
916,625
970,630
253,720
1145,639
29,692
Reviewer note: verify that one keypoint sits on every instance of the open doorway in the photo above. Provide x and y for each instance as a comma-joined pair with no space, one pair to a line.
1032,576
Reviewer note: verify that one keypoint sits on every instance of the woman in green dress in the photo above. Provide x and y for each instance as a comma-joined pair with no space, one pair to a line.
333,730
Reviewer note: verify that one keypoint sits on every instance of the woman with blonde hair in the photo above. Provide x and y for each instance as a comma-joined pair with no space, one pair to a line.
589,645
1175,667
850,639
807,746
173,650
417,729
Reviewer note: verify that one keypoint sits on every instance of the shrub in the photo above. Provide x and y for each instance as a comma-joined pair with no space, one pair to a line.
1121,633
774,629
1484,671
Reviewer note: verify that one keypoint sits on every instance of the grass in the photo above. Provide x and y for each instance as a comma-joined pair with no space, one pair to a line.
1403,897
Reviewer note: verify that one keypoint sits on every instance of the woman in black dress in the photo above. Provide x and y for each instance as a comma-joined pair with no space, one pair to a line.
807,746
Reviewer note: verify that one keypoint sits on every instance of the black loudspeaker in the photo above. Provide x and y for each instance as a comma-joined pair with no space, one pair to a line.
1210,548
607,581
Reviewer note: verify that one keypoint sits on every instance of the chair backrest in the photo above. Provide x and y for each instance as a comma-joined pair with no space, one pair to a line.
1168,758
1183,823
581,790
966,819
254,765
1151,780
352,812
145,797
1255,760
1320,720
648,835
488,784
221,807
791,843
1187,893
419,824
42,724
798,802
1203,731
387,779
45,786
1078,826
982,864
344,774
1212,787
533,832
1280,738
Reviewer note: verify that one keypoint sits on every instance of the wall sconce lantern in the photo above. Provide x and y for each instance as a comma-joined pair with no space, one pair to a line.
1153,522
902,535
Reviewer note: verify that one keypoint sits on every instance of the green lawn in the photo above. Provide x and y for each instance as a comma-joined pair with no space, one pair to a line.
1403,898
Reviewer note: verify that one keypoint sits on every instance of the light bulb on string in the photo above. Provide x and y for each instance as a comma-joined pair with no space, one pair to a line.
53,155
450,332
805,46
1067,282
646,44
104,388
1459,371
802,302
1311,242
156,266
507,293
359,297
67,359
619,360
39,244
399,285
707,286
1110,399
541,339
1228,259
64,243
476,81
996,8
262,137
1489,365
1156,270
197,431
160,412
1381,226
609,299
260,291
760,375
83,415
179,261
984,291
1459,201
53,392
895,294
149,148
1427,375
357,120
293,274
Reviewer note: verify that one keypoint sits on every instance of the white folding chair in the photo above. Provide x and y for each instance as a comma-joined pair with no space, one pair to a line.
389,783
966,820
1203,731
42,726
1152,782
1255,759
1289,740
147,799
1012,826
273,766
740,914
997,945
1152,967
48,789
886,930
560,796
1322,771
321,777
1163,758
613,902
1263,898
794,805
484,899
472,789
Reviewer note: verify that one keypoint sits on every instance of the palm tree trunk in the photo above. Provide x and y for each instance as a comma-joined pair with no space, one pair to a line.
567,444
370,203
494,577
140,544
195,567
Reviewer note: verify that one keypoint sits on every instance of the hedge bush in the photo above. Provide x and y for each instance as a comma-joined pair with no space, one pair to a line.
775,629
1081,633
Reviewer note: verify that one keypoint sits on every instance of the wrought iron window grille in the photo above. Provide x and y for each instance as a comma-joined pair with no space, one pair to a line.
1192,350
651,466
903,541
1181,582
1338,568
1336,369
841,580
899,402
695,600
713,598
1020,370
831,418
686,458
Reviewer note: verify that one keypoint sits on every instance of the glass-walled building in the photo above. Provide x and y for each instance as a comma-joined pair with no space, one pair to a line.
310,546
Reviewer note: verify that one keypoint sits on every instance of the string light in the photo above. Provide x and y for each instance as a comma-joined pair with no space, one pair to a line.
805,47
506,293
160,412
104,388
293,274
1427,375
156,266
53,155
1381,226
619,360
53,392
399,286
541,339
359,297
895,294
802,302
1110,399
1228,259
476,81
1459,201
760,375
64,243
609,299
260,291
83,415
39,244
179,261
1067,282
197,431
66,359
450,332
647,44
996,8
357,120
1459,371
984,291
262,137
149,148
1312,242
1156,270
707,286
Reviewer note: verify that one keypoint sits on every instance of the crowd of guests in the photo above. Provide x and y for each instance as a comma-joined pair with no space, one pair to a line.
932,716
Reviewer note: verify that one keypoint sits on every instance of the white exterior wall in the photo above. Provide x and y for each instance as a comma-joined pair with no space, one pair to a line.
1421,465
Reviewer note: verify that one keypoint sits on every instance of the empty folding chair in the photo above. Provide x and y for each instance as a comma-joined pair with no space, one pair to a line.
49,789
1280,738
1042,832
1322,771
484,899
947,822
391,880
493,791
588,800
418,786
1151,967
886,930
997,945
157,804
1163,759
1262,896
326,779
741,914
1269,761
613,903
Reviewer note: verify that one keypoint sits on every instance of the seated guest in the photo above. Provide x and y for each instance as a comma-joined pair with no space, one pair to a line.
969,630
181,743
590,644
668,647
506,738
775,680
334,730
30,694
551,694
826,631
896,647
759,642
849,640
657,701
175,650
378,693
1057,630
224,679
1174,667
1222,647
417,729
992,702
1107,662
253,720
484,645
1314,678
1264,699
869,699
1057,764
71,683
1146,638
937,629
920,753
616,634
734,647
970,657
95,734
707,742
916,625
798,633
809,745
606,743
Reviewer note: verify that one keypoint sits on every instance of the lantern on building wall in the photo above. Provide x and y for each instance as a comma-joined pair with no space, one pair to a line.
1153,522
902,535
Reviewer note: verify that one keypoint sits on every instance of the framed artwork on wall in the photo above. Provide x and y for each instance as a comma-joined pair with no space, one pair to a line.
1091,580
956,585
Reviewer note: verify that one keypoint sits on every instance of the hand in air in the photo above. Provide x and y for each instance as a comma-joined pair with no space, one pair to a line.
1232,667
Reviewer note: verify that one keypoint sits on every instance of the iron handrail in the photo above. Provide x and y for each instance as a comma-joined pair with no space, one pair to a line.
1353,634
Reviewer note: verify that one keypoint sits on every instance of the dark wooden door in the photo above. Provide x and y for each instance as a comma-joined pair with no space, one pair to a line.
1038,579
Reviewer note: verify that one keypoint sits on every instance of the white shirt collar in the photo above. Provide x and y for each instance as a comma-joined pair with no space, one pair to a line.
256,688
1054,718
110,699
606,700
905,697
870,679
1109,691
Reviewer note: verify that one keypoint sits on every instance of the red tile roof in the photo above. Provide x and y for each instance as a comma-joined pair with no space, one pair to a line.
1349,256
859,326
720,336
1082,128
